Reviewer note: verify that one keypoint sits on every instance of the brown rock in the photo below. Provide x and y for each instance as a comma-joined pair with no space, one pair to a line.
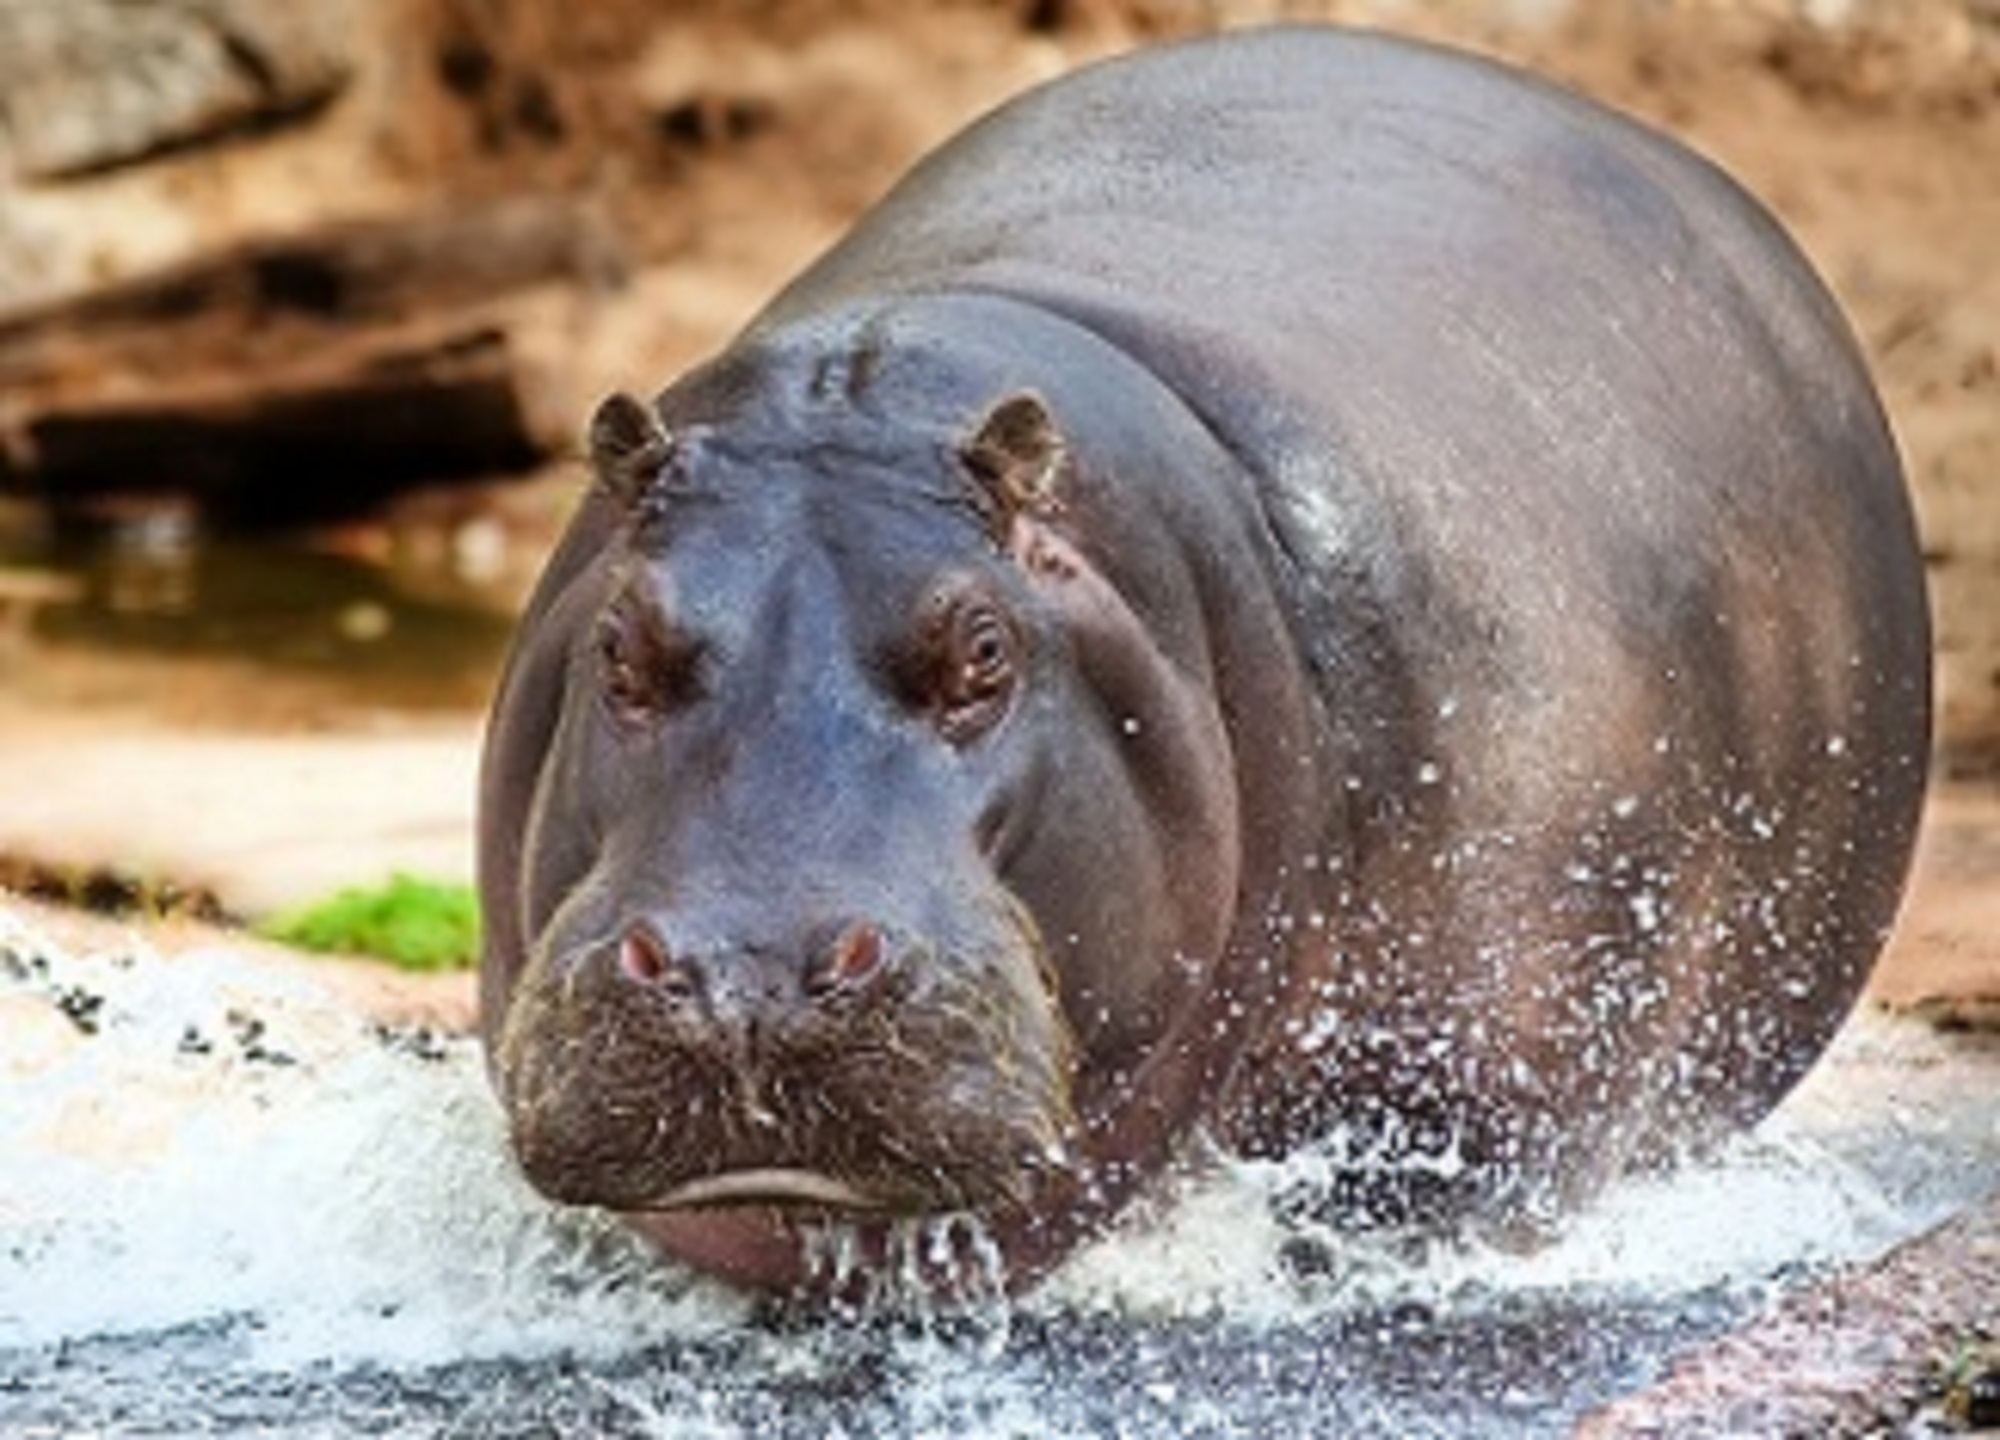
292,377
1848,1356
92,84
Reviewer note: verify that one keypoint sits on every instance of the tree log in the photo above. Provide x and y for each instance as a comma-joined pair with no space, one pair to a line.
296,376
329,436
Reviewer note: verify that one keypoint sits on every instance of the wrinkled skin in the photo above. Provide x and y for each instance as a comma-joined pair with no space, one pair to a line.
1299,589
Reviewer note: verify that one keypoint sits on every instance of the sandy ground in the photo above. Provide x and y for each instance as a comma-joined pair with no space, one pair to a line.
263,821
1944,958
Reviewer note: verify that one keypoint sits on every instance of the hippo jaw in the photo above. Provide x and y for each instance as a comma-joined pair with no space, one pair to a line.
941,1086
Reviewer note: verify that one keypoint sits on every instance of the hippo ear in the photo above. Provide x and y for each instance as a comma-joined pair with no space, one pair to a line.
629,447
1016,458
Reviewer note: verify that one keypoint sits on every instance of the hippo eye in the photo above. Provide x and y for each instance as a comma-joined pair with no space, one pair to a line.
646,668
976,675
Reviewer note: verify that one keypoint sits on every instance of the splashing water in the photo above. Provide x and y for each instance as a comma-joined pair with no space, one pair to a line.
213,1141
931,1268
227,1202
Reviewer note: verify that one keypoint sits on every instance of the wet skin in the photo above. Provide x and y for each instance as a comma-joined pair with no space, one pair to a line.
1356,600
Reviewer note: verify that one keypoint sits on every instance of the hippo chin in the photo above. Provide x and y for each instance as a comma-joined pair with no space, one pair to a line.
1297,588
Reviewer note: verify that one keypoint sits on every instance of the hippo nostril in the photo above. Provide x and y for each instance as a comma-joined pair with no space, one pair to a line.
644,957
848,964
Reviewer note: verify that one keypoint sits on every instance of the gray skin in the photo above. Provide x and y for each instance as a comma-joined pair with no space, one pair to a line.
1297,589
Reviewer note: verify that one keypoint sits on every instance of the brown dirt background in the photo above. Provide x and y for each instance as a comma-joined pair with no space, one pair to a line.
708,148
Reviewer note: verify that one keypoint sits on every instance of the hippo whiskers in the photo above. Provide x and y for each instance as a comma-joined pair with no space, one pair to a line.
1297,443
652,1103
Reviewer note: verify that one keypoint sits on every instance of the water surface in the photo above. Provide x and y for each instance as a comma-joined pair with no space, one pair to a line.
227,1203
151,611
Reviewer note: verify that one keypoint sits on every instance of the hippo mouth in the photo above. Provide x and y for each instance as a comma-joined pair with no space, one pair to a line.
771,1187
944,1089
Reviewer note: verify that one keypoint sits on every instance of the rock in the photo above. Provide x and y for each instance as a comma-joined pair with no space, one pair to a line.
324,438
252,294
1847,1356
300,376
88,85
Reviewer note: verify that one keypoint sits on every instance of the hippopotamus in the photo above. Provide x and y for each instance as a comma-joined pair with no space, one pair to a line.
1298,591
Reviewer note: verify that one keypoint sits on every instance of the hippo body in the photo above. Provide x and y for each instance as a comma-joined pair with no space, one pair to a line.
1292,589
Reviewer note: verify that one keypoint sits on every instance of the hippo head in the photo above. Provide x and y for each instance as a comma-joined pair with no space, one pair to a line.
868,851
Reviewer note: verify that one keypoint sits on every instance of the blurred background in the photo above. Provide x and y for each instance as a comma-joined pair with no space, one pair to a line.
302,308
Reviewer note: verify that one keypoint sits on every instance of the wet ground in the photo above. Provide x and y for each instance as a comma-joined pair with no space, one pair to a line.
149,612
313,698
234,1203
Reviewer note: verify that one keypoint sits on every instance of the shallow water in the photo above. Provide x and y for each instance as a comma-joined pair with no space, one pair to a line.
261,629
226,1203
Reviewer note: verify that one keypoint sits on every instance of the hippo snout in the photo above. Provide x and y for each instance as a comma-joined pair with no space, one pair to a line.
674,1060
758,986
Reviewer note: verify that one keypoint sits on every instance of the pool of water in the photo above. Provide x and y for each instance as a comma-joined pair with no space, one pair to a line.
228,1203
148,610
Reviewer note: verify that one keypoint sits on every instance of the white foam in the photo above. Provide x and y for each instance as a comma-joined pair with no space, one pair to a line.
354,1199
1820,1183
1217,1245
